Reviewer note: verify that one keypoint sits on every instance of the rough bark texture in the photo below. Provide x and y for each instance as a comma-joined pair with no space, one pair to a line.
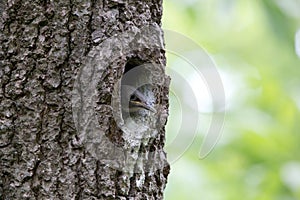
44,44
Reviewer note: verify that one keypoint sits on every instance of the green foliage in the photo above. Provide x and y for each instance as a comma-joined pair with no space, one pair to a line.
252,43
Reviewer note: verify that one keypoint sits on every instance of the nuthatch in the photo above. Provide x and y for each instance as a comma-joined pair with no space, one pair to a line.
133,100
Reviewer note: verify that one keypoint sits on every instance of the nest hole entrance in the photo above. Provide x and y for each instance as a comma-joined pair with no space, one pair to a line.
143,95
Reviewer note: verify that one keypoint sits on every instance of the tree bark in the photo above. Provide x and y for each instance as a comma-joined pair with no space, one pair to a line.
63,134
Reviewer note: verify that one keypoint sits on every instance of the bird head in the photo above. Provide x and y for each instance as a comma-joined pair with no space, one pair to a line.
133,100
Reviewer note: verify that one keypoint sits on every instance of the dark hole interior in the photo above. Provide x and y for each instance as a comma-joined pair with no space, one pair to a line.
132,63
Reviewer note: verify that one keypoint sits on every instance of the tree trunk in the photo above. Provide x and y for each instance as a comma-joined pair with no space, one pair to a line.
63,131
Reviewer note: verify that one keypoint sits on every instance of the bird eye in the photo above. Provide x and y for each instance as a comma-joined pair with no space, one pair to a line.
133,98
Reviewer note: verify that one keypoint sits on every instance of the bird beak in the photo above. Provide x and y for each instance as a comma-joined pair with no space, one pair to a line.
143,105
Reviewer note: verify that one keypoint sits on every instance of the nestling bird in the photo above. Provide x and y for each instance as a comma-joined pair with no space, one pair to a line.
133,100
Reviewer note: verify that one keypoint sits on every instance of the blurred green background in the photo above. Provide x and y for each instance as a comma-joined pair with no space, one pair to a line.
253,45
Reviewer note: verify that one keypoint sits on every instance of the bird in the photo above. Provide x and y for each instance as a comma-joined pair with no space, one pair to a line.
133,100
